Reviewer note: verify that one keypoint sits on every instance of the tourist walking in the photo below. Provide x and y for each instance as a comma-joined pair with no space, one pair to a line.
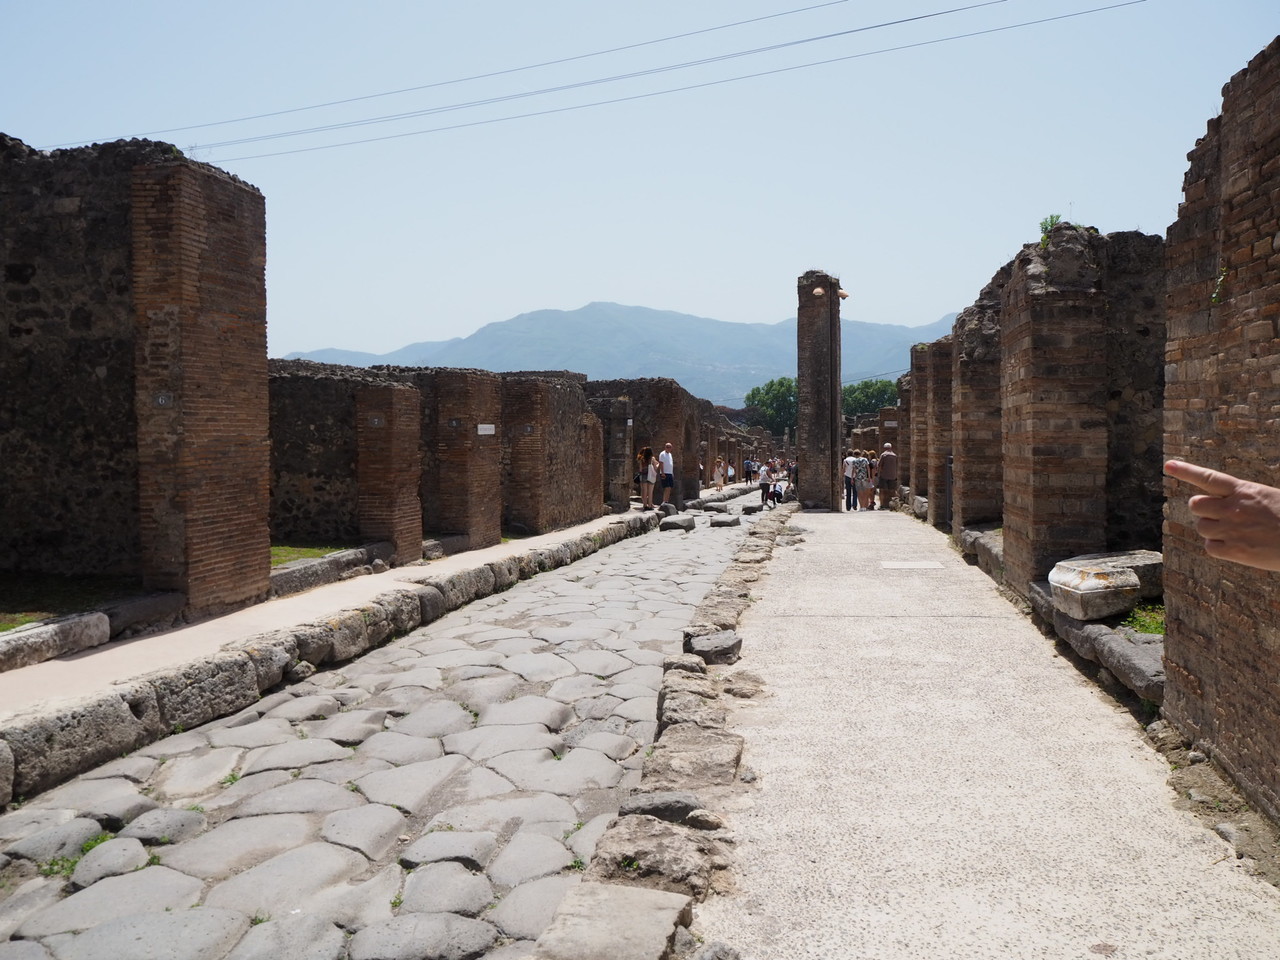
765,476
848,480
887,476
647,471
667,469
717,475
862,479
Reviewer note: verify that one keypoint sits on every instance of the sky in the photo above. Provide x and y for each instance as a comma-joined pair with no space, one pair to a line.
686,155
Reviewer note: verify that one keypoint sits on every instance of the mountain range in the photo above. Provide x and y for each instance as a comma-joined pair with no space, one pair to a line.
712,359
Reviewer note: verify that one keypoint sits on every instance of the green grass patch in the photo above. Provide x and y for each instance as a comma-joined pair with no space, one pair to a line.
285,553
1146,618
30,598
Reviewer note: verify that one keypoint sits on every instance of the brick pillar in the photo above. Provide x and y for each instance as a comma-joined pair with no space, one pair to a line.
1222,624
389,468
619,450
198,255
820,424
940,359
978,475
919,441
1054,391
903,442
461,453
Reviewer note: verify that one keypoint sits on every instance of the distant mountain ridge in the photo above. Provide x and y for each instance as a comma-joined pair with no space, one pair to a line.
712,359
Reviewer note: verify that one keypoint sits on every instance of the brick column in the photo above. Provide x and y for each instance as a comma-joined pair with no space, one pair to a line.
978,475
919,433
820,424
198,255
389,468
941,355
903,442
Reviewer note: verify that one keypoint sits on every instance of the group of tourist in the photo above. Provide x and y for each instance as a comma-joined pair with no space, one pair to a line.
651,470
865,474
658,472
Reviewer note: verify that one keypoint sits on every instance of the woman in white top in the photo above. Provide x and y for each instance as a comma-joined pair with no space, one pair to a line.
647,470
766,481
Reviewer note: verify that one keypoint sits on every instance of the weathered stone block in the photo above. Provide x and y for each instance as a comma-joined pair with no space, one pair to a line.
645,851
1096,586
44,641
614,921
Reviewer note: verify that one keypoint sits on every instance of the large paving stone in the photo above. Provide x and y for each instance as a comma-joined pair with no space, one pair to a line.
484,743
371,829
526,912
26,899
286,882
24,950
618,922
293,755
427,677
197,774
31,819
350,728
400,748
539,667
471,849
263,733
239,844
154,889
301,796
436,719
410,787
479,692
579,687
423,936
349,770
354,906
316,706
446,887
163,826
110,859
528,856
523,710
567,775
204,934
59,840
299,936
600,663
496,814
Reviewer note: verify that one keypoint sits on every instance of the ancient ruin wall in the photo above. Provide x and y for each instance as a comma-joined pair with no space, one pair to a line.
918,444
819,422
549,482
1222,634
940,360
461,483
67,359
977,493
902,445
662,412
618,449
389,468
1080,319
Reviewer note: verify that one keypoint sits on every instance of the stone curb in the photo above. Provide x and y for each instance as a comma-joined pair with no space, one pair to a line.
663,839
52,742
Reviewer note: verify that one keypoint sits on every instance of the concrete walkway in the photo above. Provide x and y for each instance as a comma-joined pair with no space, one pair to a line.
934,781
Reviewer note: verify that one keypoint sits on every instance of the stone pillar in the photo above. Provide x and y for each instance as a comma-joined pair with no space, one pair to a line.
903,443
820,422
1222,629
977,489
619,453
389,468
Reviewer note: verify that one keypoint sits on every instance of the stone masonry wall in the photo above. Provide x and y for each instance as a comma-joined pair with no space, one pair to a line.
662,412
1222,637
67,359
902,445
819,423
618,451
977,492
389,468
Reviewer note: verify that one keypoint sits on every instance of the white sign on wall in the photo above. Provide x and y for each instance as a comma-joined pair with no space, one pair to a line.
485,429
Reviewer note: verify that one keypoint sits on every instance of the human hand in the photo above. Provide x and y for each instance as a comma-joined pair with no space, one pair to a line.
1239,519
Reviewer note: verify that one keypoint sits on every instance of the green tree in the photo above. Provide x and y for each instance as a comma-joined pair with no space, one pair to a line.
776,402
867,396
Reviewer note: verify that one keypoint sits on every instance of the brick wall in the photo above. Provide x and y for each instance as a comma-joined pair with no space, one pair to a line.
819,423
462,431
389,467
662,412
978,473
903,444
618,449
547,482
939,361
918,444
199,255
1222,639
1081,320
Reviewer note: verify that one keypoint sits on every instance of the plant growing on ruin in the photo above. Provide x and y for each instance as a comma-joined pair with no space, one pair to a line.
1146,618
1217,287
1047,224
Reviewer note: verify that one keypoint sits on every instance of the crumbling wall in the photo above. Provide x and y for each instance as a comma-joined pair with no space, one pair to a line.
662,412
617,453
1222,636
135,307
977,491
1081,319
940,359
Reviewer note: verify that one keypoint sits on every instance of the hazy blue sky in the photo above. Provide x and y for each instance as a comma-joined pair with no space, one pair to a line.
912,174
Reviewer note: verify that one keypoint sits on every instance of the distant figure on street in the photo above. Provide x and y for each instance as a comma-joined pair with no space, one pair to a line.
717,475
749,469
647,470
848,480
667,467
862,479
1239,519
765,478
887,476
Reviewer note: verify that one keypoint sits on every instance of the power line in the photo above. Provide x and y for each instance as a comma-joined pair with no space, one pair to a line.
696,86
480,76
652,71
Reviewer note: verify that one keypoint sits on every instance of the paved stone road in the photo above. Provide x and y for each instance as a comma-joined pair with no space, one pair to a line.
436,797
